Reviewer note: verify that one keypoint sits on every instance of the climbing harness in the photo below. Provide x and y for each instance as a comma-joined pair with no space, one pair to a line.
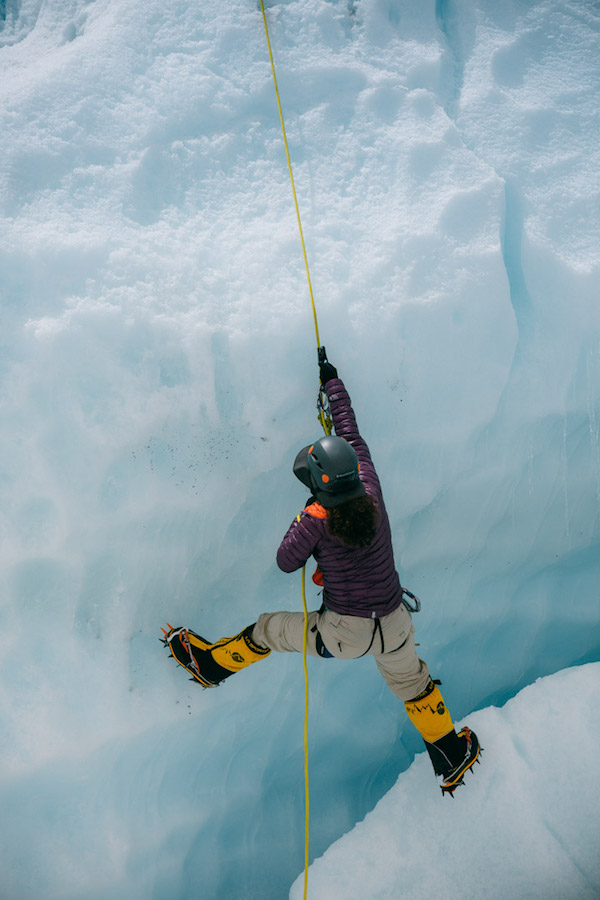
376,628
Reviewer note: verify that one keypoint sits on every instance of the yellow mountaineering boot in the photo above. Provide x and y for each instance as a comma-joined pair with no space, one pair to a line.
428,713
235,653
451,754
210,664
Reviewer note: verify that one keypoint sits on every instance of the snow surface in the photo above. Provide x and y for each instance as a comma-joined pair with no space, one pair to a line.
514,830
158,375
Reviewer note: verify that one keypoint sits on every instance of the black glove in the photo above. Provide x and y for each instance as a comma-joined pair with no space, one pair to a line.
327,372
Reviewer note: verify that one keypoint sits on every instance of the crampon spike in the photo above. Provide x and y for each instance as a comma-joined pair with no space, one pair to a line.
451,788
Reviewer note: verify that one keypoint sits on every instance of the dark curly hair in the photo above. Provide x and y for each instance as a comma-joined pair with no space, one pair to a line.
355,522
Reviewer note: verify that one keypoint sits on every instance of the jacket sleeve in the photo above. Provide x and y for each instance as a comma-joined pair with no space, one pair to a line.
298,544
344,422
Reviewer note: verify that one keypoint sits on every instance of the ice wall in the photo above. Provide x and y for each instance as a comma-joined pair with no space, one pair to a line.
158,374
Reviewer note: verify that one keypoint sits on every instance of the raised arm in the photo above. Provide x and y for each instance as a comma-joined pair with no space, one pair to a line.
344,422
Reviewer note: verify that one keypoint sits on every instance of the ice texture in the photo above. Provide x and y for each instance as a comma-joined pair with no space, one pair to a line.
515,828
158,375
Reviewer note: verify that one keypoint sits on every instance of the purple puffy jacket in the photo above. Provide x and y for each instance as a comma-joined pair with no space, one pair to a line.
357,581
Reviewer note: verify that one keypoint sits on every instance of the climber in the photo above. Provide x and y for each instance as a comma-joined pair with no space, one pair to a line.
345,527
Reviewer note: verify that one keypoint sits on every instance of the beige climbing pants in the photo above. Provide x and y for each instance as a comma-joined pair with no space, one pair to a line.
389,639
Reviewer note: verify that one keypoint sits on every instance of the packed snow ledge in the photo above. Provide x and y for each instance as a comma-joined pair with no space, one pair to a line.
525,825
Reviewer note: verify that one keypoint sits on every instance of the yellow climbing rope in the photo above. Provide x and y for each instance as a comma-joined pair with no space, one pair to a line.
322,410
306,791
325,420
289,162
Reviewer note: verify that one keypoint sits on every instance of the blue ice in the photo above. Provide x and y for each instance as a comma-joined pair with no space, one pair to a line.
158,371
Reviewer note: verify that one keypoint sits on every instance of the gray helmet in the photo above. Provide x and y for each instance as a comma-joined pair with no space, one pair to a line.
329,467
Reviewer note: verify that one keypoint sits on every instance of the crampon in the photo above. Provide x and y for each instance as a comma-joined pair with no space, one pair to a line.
208,663
191,651
455,778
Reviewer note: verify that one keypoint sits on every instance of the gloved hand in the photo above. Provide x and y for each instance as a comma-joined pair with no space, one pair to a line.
327,372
